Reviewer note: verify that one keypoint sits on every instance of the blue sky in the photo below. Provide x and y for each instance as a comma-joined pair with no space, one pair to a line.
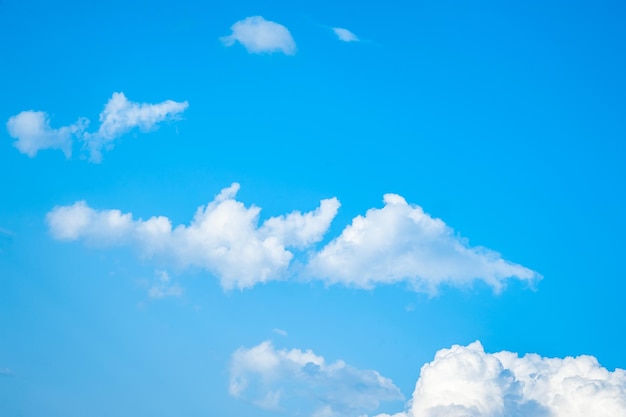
496,133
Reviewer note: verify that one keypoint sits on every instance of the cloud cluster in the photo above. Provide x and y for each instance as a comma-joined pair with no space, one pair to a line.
303,383
345,35
224,237
397,243
464,381
33,133
258,35
400,242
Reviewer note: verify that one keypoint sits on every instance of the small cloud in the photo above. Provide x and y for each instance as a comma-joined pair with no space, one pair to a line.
280,332
163,288
258,35
345,35
121,115
33,133
6,372
303,383
6,232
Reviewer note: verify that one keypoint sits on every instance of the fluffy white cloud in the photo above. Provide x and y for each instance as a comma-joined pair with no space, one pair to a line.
121,115
464,381
33,133
164,287
345,35
303,383
402,243
223,237
81,221
398,243
258,35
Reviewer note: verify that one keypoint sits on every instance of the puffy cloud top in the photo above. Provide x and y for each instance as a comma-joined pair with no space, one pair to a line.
258,35
32,132
397,243
223,237
464,381
402,243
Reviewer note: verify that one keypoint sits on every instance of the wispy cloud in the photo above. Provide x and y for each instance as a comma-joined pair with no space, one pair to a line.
280,332
121,115
466,381
402,243
258,35
164,288
303,383
345,35
33,132
223,237
396,243
6,372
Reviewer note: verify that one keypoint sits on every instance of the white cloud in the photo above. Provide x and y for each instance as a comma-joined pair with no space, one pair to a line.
345,35
164,288
6,372
301,230
258,35
223,237
303,383
33,133
121,115
464,381
402,243
397,243
280,332
81,221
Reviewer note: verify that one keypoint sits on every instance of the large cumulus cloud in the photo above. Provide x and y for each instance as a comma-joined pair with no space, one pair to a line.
465,381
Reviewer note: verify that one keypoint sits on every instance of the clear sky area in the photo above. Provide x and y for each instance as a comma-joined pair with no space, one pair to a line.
312,209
